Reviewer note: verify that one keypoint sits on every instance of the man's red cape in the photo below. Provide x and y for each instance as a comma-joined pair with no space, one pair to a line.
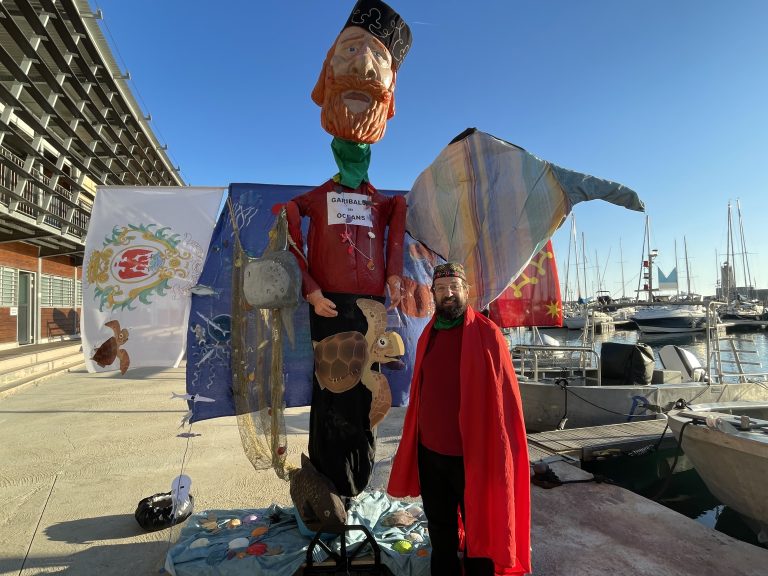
497,474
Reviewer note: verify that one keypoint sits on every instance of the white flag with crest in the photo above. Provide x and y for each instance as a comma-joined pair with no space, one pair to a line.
144,251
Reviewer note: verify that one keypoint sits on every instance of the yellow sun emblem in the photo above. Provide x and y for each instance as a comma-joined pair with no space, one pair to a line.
553,309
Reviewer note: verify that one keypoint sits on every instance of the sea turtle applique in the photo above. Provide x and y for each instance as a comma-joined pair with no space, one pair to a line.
110,350
344,359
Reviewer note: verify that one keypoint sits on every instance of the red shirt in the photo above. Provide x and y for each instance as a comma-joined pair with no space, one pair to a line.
440,393
359,266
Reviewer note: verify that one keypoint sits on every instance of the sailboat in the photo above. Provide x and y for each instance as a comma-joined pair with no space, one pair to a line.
741,304
580,315
670,318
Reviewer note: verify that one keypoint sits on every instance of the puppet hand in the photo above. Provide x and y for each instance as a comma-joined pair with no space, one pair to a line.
321,304
395,291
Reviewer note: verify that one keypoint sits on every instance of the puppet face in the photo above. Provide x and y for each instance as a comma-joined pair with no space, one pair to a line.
359,53
358,87
450,297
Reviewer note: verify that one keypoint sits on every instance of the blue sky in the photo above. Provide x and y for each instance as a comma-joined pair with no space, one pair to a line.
668,98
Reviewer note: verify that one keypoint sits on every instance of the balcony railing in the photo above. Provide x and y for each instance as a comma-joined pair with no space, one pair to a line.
33,195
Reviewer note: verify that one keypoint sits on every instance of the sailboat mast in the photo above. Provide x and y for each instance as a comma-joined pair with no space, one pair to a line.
566,291
744,259
584,263
621,262
576,255
677,284
729,257
650,260
687,270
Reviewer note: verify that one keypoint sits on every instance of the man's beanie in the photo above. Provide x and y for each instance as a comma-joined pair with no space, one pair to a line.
449,270
385,24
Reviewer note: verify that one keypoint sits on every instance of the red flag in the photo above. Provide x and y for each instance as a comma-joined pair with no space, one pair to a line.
533,298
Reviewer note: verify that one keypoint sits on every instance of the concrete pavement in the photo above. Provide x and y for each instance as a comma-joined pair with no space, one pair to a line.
78,452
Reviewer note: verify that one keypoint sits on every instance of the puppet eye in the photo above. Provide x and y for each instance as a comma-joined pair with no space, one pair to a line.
382,342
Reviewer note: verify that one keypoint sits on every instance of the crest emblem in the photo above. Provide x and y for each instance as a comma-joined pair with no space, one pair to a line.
142,262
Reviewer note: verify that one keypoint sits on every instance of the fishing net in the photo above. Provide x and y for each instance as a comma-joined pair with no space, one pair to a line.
265,291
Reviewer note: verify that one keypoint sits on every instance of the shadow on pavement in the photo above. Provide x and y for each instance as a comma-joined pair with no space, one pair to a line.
87,530
112,559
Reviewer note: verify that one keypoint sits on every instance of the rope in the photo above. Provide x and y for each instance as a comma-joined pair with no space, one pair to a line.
664,487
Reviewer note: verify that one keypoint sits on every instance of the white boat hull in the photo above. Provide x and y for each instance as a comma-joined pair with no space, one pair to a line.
664,320
544,403
656,329
733,465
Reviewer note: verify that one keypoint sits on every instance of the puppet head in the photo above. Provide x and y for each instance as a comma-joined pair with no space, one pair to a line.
357,83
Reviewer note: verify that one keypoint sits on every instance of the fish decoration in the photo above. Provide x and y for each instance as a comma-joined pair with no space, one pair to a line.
316,499
203,290
192,397
110,350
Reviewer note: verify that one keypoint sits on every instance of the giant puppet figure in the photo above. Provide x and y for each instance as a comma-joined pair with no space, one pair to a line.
354,246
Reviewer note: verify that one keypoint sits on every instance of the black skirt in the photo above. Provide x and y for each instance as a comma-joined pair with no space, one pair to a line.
341,443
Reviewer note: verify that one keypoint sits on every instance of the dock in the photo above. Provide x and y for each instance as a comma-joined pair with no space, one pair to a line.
582,443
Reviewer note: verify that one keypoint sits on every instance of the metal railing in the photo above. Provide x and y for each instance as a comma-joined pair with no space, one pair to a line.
568,360
32,194
719,357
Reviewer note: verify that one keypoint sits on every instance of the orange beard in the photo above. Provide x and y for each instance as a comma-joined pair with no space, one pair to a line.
366,127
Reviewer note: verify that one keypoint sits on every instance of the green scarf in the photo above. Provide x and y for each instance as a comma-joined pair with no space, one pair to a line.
442,324
353,159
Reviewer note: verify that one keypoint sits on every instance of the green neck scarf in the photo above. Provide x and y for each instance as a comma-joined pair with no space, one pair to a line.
353,159
442,324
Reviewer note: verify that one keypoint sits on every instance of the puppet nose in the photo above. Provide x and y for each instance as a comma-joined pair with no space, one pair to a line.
363,66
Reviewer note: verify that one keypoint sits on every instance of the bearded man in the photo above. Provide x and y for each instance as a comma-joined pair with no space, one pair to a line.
346,254
464,445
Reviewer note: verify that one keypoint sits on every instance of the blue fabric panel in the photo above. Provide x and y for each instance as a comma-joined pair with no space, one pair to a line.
208,346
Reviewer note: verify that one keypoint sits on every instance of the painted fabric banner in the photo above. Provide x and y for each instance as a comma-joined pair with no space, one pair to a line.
533,298
491,205
144,251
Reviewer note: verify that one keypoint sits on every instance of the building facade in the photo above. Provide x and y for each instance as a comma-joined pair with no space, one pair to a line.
68,123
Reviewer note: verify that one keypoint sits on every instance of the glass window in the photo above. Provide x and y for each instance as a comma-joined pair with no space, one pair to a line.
56,292
8,290
46,291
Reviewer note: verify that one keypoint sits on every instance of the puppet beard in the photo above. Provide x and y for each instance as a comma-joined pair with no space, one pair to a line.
366,127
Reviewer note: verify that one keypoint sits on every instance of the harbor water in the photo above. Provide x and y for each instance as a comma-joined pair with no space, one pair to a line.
694,342
665,475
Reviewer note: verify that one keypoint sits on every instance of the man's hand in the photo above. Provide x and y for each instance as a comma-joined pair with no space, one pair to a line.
321,304
394,286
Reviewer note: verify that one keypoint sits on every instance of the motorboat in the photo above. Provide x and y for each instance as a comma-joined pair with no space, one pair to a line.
670,319
576,386
578,320
727,442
